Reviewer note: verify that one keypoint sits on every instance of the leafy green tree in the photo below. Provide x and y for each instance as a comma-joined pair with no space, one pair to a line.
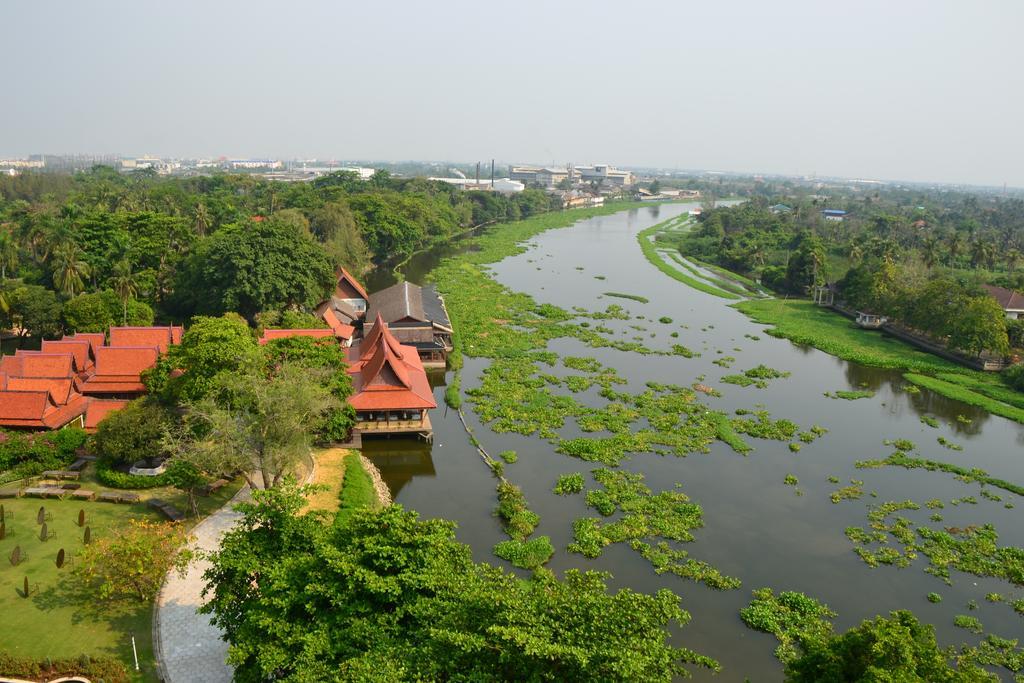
980,325
335,226
255,267
34,310
210,347
132,433
8,253
894,648
98,311
808,265
325,356
386,596
253,423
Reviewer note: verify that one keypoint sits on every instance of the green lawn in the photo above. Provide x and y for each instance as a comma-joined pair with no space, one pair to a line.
805,323
58,621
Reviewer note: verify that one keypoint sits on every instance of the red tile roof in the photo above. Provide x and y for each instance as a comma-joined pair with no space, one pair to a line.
348,285
96,339
160,337
341,330
80,349
36,409
59,388
316,333
98,409
388,375
1008,299
118,370
38,364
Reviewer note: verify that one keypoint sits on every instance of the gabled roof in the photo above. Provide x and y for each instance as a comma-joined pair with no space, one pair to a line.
403,301
342,309
316,333
37,409
389,375
80,349
96,339
38,364
99,409
59,388
347,284
1008,299
160,337
341,330
379,331
125,360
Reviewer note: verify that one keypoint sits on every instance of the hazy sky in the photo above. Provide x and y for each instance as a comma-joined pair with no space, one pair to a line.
920,90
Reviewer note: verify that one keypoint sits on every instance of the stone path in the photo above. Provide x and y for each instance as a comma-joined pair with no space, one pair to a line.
189,647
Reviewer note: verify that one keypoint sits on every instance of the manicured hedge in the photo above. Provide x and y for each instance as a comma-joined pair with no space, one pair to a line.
106,669
356,490
108,476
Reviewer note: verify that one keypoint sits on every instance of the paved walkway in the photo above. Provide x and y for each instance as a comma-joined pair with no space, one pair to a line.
190,647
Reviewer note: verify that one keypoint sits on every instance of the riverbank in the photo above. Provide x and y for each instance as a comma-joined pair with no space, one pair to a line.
650,250
805,323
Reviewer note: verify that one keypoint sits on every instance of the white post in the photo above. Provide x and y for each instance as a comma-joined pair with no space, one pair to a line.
135,652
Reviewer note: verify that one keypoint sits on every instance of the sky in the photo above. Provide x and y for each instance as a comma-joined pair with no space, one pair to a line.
923,90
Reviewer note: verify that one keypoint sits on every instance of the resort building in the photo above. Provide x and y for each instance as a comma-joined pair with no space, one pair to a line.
343,335
391,392
1010,301
79,379
416,317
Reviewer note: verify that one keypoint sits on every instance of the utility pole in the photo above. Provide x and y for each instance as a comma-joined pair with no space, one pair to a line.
492,174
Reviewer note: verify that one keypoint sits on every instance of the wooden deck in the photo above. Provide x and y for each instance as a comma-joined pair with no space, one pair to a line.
421,427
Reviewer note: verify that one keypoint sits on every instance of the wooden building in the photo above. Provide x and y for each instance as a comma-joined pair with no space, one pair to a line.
417,317
391,391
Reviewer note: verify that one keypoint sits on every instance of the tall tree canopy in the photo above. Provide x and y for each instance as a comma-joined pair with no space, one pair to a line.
261,265
389,597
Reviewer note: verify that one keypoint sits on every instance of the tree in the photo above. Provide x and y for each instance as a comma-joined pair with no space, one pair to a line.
250,422
252,268
210,347
98,311
328,360
125,285
201,219
8,253
897,648
335,226
131,563
387,596
136,431
655,186
34,310
807,266
980,326
69,268
186,476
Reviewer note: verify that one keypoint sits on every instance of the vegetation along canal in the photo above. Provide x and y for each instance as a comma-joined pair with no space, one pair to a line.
751,480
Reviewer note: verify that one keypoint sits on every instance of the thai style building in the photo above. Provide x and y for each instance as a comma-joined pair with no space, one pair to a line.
417,317
391,392
80,379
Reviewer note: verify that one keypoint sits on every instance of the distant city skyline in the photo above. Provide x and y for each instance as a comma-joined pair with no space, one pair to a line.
914,91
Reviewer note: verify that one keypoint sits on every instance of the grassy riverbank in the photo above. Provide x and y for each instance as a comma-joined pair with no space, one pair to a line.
650,250
803,322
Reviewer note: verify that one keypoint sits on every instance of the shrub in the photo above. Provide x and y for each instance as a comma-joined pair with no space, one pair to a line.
108,476
569,484
107,669
24,455
131,434
1014,376
526,554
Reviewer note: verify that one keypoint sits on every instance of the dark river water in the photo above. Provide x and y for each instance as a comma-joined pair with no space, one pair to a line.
756,527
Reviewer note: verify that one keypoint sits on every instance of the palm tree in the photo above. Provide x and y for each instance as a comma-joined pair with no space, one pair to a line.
125,284
1012,258
930,251
954,243
69,270
856,253
202,219
8,253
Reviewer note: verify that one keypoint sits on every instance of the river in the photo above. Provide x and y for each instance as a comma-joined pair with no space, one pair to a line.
756,527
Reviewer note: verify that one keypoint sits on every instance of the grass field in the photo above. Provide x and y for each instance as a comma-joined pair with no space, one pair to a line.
57,621
805,323
330,471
